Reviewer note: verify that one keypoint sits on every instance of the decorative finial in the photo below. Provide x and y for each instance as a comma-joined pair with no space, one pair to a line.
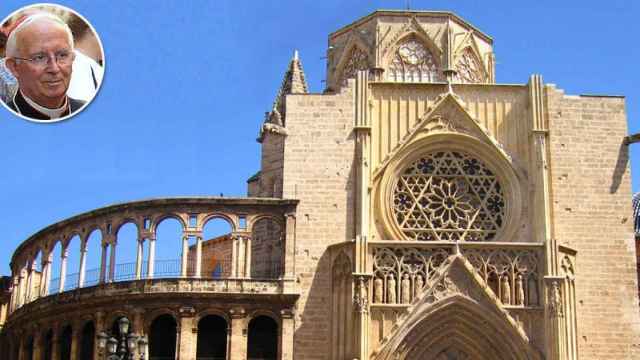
295,55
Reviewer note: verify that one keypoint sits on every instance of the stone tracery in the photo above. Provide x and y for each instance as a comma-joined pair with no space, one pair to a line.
413,62
469,69
448,196
357,60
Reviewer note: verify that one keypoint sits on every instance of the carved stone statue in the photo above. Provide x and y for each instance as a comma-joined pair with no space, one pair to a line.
505,288
378,290
417,286
391,290
519,291
406,289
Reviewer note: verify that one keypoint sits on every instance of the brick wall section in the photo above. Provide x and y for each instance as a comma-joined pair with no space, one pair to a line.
319,171
591,188
216,251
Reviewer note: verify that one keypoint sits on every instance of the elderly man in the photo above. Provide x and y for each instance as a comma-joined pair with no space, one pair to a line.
40,55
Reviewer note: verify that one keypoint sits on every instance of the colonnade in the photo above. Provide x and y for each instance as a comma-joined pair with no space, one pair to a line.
30,282
240,332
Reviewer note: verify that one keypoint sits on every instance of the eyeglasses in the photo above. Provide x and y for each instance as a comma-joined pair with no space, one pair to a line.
62,58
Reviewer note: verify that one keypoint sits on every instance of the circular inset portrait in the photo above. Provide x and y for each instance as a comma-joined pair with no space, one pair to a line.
51,63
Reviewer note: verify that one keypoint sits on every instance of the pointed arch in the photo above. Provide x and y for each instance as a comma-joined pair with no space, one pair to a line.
457,323
413,58
355,57
469,67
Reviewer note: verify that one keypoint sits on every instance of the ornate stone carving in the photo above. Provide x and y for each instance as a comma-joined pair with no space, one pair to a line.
443,288
511,274
361,294
469,69
413,62
357,60
412,266
554,301
448,196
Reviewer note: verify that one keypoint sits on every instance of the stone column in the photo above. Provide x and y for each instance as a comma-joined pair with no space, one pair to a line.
238,338
75,340
63,268
14,294
83,263
188,335
137,327
112,262
234,256
286,334
198,273
247,256
152,257
99,327
185,256
46,275
55,344
103,263
21,345
139,252
28,293
37,345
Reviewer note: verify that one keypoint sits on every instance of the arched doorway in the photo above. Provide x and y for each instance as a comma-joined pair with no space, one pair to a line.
65,343
47,347
263,339
29,349
162,338
212,338
86,341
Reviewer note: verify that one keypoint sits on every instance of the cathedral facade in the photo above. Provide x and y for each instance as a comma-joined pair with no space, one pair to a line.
414,210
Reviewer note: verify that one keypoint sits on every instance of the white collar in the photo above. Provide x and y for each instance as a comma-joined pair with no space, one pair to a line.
51,113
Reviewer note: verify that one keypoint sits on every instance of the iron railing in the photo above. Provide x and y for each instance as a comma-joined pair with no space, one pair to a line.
166,269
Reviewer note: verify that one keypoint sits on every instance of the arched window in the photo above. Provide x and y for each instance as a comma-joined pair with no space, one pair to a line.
29,349
469,69
357,60
263,339
212,338
413,62
162,338
47,347
86,341
65,343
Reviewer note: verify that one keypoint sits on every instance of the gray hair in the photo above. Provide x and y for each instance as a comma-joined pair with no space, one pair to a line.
12,42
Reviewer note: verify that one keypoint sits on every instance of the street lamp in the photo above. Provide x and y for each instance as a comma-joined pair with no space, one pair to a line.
128,344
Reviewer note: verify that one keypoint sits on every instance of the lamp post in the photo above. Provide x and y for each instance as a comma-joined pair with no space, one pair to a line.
118,350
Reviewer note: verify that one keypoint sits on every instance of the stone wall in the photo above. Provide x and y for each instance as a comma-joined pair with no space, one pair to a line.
319,171
591,194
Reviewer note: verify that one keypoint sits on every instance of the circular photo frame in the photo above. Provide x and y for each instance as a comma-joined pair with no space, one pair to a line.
51,63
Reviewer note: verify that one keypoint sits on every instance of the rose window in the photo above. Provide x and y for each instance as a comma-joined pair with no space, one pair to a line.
448,196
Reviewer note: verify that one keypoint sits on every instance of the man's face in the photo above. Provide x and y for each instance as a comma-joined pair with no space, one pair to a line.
45,84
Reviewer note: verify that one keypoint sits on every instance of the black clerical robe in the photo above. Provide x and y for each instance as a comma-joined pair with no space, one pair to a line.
20,105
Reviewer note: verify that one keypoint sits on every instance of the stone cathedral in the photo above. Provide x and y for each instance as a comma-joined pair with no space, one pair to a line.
415,209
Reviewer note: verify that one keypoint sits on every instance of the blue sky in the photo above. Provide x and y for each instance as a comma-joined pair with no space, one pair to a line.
187,84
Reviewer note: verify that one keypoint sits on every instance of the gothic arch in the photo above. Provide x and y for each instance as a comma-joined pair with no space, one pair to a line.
470,68
423,51
460,324
355,57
